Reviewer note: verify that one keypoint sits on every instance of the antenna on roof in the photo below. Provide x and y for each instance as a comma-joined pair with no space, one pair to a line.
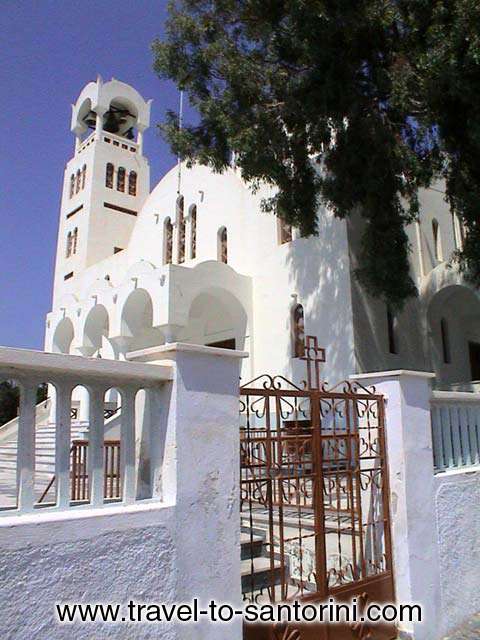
180,125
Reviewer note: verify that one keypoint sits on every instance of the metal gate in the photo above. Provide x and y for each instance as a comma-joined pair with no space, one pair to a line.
314,500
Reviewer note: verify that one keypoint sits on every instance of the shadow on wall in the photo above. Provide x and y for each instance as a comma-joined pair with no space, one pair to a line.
375,349
320,276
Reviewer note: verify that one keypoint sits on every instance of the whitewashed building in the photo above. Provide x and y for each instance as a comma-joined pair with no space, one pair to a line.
138,477
194,259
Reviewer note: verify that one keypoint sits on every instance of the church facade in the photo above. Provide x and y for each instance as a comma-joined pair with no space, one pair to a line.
195,260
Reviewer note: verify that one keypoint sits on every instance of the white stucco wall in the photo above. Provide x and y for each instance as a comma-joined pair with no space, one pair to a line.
457,504
115,556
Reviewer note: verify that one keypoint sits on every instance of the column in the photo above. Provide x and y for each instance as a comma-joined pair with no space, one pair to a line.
195,466
412,494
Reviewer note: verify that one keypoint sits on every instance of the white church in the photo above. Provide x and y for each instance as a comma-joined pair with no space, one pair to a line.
137,465
195,260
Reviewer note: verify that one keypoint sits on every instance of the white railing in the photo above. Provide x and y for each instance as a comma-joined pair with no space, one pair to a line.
455,429
64,373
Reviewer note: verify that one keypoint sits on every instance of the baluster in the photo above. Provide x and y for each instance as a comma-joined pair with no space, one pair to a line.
453,412
464,439
446,436
95,447
62,444
438,452
127,446
26,447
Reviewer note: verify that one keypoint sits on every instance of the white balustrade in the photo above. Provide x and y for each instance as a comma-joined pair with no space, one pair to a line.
63,372
455,429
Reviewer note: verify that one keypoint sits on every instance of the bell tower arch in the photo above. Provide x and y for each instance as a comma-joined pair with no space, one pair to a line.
106,181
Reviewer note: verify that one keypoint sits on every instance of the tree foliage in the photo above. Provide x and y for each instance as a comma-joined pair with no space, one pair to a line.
351,104
9,400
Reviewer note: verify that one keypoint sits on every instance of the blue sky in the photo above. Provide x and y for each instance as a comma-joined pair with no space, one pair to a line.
49,51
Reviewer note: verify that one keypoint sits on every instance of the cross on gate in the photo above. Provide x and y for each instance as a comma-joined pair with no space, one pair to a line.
314,356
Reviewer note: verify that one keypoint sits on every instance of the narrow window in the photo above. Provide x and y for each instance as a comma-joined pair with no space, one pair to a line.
121,179
181,230
298,321
456,239
79,178
392,339
167,241
84,175
445,341
109,176
68,251
223,245
284,232
437,241
132,183
74,240
72,185
193,231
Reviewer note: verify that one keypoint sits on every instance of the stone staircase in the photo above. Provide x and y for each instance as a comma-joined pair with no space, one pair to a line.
256,569
44,460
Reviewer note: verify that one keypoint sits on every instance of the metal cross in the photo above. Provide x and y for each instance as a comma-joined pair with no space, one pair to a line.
314,356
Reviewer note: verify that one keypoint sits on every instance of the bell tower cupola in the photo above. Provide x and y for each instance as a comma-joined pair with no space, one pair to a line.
106,181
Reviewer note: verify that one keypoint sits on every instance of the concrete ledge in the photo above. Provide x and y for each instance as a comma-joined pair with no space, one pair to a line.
461,396
392,374
162,352
15,362
17,531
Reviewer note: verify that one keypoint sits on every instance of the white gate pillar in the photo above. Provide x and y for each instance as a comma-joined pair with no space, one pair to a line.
195,466
412,493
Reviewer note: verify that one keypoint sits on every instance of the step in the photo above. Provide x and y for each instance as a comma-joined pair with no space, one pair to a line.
262,574
12,465
250,546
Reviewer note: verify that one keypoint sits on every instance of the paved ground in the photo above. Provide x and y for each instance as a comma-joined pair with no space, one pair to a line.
468,631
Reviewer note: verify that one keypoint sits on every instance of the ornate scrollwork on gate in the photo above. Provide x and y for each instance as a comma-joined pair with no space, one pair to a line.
314,492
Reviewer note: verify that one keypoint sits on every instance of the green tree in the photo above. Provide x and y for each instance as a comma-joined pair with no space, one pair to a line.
352,104
9,401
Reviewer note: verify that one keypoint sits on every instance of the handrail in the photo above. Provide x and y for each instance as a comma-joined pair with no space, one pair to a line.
52,480
20,362
111,475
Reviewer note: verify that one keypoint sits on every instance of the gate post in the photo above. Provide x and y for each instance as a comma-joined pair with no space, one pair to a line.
195,462
412,494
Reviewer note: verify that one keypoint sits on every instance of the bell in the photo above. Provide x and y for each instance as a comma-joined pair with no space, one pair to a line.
111,123
90,120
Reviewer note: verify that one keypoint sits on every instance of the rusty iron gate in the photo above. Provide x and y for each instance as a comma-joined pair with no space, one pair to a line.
314,500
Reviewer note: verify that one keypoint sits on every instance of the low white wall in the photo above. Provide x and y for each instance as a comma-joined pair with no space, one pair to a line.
457,504
114,555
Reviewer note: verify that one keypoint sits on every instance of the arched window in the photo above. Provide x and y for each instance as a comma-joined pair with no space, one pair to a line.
68,251
132,183
109,176
437,241
223,245
167,241
79,177
121,179
298,325
391,328
84,175
284,232
74,240
181,229
193,231
72,185
445,341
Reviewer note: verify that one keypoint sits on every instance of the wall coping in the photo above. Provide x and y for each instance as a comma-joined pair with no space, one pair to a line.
397,373
27,361
161,352
463,396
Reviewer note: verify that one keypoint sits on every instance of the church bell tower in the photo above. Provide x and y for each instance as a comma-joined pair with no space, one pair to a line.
107,180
